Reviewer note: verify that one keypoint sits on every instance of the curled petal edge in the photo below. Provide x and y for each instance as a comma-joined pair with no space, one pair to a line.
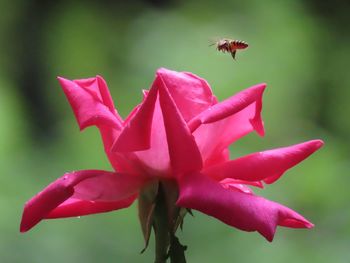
88,109
77,184
244,211
268,165
233,105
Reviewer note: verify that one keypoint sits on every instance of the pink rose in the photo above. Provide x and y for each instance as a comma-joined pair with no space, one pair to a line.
179,136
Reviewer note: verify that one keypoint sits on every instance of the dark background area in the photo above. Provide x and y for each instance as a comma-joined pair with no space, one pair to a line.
299,48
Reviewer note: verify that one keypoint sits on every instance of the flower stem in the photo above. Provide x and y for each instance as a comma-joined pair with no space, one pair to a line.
161,229
166,218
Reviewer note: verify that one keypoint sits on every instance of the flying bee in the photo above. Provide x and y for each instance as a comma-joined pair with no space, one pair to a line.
230,46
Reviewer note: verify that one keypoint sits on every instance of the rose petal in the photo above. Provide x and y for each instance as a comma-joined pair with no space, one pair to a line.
98,87
87,103
121,162
106,95
243,211
239,115
191,94
237,187
88,185
240,185
214,156
183,151
228,181
92,104
232,106
107,186
137,132
268,165
75,207
156,160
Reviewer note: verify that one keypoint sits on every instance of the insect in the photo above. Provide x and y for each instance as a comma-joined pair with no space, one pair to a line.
230,45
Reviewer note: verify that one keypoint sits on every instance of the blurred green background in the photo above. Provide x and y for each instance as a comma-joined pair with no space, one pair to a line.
299,48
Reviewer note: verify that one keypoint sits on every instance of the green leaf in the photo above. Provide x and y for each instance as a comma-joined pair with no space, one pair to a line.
146,206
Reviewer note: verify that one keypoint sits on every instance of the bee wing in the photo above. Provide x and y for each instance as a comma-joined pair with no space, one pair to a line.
213,41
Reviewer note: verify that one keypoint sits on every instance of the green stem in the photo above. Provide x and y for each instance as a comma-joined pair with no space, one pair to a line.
166,218
160,225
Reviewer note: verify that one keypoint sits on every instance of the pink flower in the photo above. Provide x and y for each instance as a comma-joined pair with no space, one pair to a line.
179,134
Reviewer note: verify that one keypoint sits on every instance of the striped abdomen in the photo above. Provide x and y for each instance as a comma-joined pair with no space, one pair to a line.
237,44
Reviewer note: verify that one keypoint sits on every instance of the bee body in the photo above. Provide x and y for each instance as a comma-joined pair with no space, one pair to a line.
230,46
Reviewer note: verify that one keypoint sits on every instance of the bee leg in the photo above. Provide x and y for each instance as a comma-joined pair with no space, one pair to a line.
233,54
